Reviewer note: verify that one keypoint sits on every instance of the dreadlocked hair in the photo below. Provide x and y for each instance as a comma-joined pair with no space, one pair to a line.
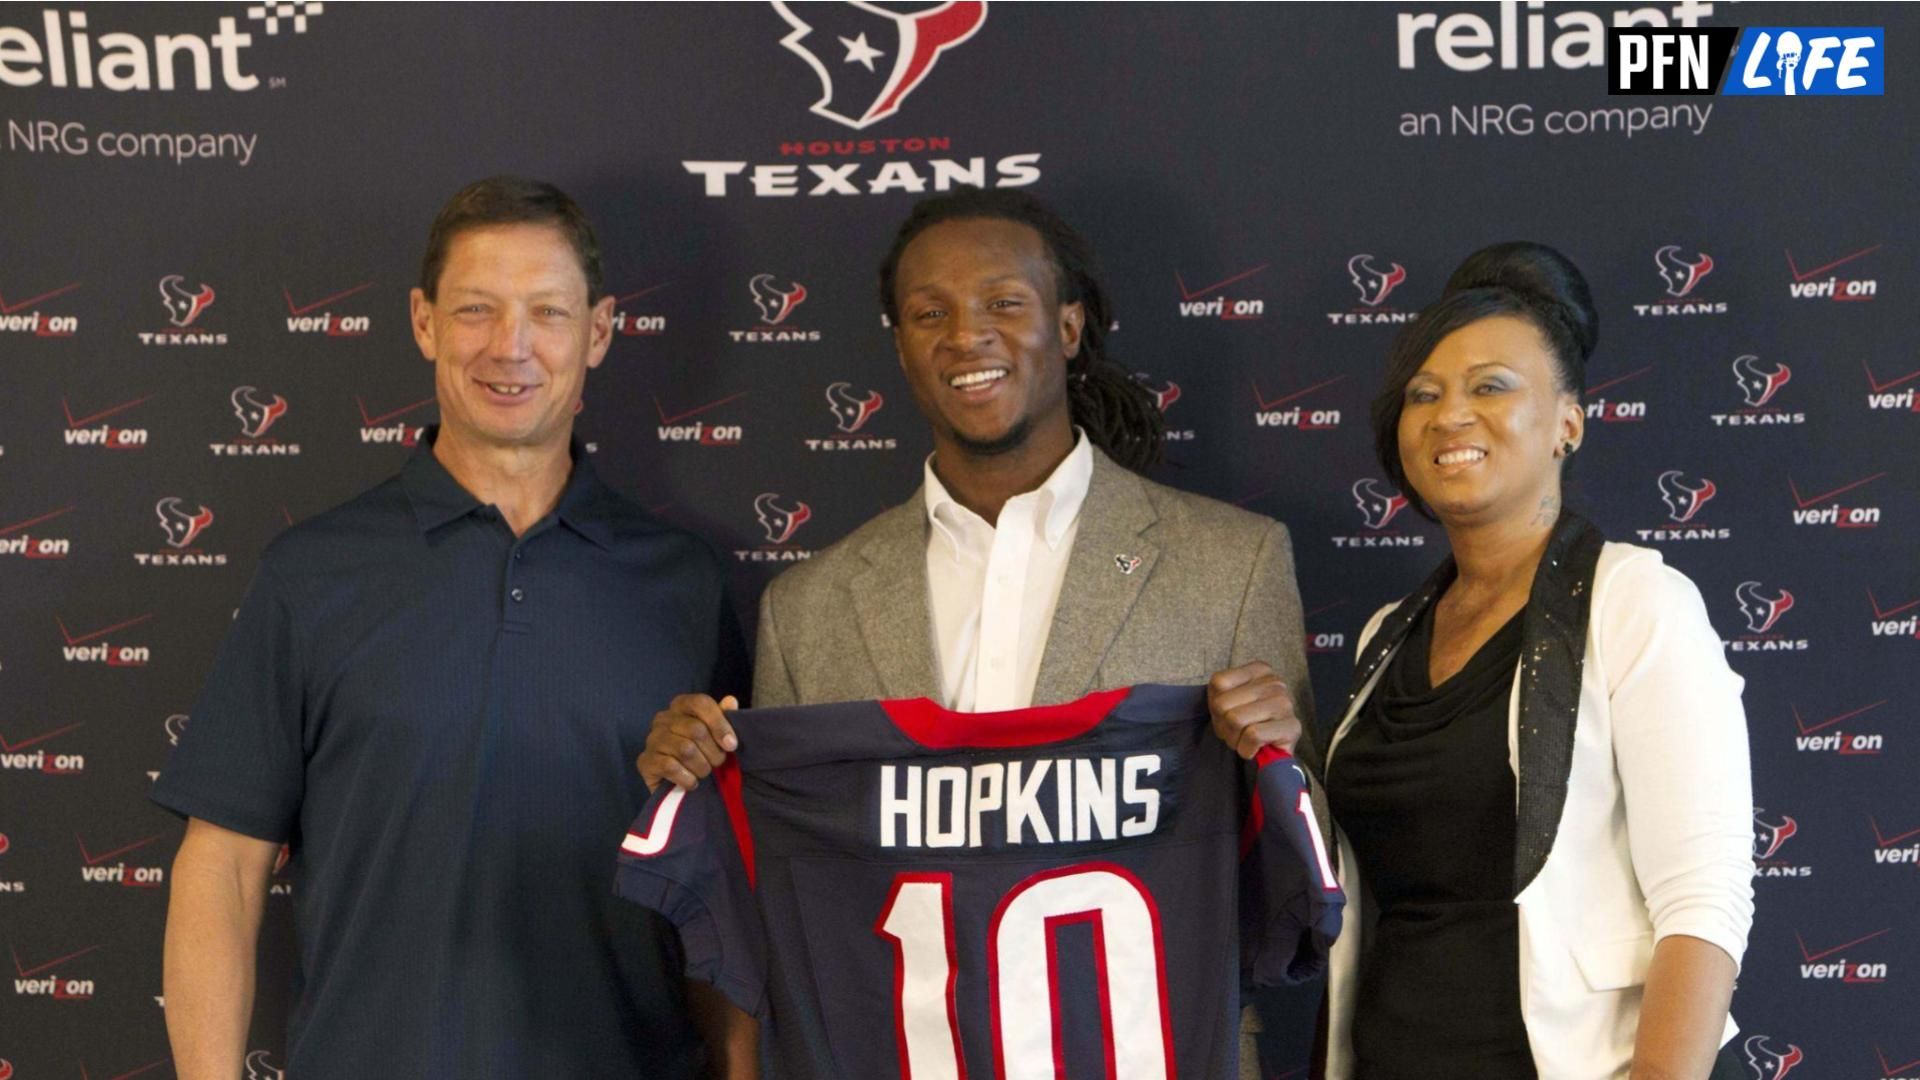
1120,415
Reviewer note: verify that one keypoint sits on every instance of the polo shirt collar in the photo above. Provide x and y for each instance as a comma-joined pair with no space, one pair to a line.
438,498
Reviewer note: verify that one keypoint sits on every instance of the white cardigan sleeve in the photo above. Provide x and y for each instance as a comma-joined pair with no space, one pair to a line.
1680,745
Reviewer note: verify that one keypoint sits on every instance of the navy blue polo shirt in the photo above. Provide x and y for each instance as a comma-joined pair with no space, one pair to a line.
442,720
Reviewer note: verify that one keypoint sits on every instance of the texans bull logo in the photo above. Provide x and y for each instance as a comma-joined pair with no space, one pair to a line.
778,521
1760,611
1377,505
1768,1063
180,526
182,306
851,413
1163,396
774,302
1679,274
259,1069
887,54
1374,283
6,1069
1683,499
256,416
4,845
1758,387
1768,836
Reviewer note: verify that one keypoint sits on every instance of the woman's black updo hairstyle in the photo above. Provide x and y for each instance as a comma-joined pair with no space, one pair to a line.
1520,278
1118,414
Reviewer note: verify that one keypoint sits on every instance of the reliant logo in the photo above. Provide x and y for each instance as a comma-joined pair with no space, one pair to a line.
1758,383
1378,506
776,301
1883,396
20,757
1616,411
184,306
1766,1063
851,409
1684,496
1268,412
15,318
1681,272
107,868
260,1067
1888,622
1889,850
257,412
1810,285
181,527
1212,301
1808,510
672,430
778,523
1163,398
1762,608
41,980
1770,834
1818,963
64,55
911,45
386,429
629,323
1825,737
1466,42
1374,283
317,316
15,539
91,647
85,431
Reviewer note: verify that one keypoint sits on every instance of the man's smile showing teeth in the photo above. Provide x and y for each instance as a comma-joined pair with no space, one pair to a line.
974,379
507,389
1460,457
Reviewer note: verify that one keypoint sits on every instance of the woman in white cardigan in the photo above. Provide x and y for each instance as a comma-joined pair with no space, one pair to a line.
1541,781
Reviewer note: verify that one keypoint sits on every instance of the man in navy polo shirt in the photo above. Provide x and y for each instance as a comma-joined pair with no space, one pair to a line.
428,693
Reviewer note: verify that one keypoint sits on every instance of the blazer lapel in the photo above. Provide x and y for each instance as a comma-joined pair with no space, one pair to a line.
1552,659
890,601
1102,582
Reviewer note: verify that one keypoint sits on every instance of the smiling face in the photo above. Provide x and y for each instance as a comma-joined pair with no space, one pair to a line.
983,338
1483,420
511,336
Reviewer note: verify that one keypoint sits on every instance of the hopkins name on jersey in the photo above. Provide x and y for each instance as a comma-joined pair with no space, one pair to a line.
1043,892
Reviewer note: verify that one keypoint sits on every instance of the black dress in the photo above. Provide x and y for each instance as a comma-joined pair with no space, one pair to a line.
1422,786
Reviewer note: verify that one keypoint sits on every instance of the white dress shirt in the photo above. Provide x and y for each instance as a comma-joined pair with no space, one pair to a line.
992,588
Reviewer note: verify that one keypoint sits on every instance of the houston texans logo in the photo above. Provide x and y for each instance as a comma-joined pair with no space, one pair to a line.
282,857
778,521
256,416
1679,274
176,726
1768,1063
180,526
1374,283
1163,397
1767,836
774,302
1756,386
1760,611
1377,505
1126,564
887,54
258,1069
182,306
1683,499
850,413
4,845
6,1069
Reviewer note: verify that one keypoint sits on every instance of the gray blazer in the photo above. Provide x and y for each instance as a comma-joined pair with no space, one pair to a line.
1213,588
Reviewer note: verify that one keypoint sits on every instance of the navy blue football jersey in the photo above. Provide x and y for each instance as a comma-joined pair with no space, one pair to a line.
898,890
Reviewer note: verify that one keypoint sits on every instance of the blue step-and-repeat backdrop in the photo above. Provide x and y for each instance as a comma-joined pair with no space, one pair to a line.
210,217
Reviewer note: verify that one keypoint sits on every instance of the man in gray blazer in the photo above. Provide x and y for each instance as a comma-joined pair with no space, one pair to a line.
1034,566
